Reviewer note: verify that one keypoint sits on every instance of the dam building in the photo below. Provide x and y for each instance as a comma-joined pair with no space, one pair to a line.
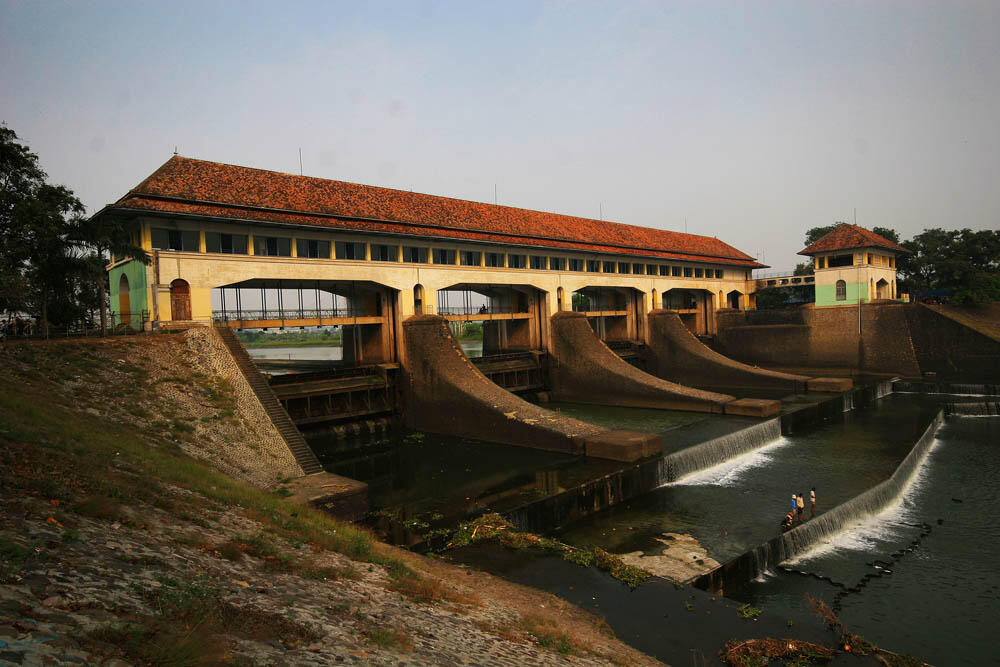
852,265
585,310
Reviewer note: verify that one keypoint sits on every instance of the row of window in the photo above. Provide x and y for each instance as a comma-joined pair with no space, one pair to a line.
277,246
834,261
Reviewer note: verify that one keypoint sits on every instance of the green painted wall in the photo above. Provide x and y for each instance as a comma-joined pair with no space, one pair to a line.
826,295
136,274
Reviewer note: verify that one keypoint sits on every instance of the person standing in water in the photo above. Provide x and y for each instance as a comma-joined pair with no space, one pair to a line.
812,503
800,506
794,506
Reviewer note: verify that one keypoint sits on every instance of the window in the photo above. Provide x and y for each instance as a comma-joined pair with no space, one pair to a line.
494,259
272,246
517,261
593,266
311,248
174,239
442,256
609,267
638,269
624,267
230,244
349,250
841,290
699,272
576,265
557,263
688,271
664,270
539,263
385,253
718,273
471,258
675,271
414,255
834,261
652,269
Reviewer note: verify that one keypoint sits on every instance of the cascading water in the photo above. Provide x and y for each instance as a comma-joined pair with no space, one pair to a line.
883,389
798,540
848,398
963,389
713,452
984,409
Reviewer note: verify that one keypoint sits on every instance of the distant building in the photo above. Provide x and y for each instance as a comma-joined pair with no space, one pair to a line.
853,263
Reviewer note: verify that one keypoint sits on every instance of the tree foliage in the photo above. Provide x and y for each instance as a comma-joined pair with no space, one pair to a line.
52,258
961,261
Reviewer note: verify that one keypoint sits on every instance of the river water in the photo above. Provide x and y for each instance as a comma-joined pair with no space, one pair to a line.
939,603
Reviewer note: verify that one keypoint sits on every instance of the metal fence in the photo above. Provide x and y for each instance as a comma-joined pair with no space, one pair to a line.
282,314
118,324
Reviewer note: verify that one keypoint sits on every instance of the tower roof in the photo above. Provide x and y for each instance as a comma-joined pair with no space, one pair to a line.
850,237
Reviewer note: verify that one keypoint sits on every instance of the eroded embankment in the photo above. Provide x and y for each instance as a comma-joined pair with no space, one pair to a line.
115,543
182,389
755,562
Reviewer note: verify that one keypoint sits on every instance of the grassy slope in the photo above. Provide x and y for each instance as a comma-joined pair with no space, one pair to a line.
55,449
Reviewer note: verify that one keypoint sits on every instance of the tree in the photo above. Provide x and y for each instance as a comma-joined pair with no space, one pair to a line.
964,262
52,259
36,222
816,233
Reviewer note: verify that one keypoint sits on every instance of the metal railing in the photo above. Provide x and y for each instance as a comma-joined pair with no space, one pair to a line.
286,314
118,324
478,310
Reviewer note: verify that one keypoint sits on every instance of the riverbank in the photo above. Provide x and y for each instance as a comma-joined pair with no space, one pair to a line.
118,545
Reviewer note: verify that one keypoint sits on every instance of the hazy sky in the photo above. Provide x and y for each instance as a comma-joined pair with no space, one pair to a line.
753,121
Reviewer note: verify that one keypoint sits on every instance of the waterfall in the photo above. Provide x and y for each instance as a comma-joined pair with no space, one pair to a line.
800,539
984,409
963,389
713,452
848,398
883,389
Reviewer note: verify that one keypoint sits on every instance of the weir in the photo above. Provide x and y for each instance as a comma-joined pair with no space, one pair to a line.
585,370
444,392
674,353
957,388
699,457
798,540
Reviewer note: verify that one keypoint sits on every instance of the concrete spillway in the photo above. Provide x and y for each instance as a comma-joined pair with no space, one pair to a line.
797,541
585,370
446,393
676,354
718,450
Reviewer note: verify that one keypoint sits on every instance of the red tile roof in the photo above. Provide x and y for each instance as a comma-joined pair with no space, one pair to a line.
199,188
850,237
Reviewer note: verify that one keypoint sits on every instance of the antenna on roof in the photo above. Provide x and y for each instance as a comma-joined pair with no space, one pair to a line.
175,150
855,216
601,204
300,161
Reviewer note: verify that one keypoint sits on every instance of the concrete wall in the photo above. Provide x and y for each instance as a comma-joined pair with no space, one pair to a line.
585,370
445,393
823,338
675,354
948,348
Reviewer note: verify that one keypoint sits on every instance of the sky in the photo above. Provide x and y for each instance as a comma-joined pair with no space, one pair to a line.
749,121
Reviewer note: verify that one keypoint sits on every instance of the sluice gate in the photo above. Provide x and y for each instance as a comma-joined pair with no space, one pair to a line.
515,372
338,395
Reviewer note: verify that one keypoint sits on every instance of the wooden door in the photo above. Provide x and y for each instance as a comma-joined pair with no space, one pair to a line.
180,300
